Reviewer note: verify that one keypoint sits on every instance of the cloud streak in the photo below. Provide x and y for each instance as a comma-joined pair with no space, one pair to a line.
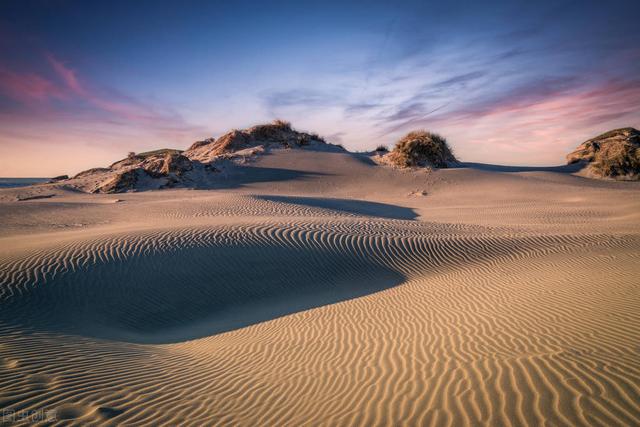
69,124
301,98
29,88
60,92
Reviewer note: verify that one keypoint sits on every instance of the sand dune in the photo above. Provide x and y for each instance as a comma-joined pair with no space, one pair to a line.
327,295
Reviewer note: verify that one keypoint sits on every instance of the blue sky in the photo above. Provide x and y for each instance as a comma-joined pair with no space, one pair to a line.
82,83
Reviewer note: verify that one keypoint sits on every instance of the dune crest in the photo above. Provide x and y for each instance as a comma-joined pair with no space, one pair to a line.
200,166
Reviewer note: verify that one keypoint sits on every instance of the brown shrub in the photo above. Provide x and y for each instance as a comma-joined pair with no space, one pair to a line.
614,154
282,124
270,132
617,160
422,148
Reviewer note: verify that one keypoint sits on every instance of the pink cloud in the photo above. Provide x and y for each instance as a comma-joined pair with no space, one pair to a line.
27,88
68,75
79,98
587,102
118,105
546,128
70,124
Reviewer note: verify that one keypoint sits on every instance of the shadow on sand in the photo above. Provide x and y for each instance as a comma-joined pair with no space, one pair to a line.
349,206
501,168
244,175
189,293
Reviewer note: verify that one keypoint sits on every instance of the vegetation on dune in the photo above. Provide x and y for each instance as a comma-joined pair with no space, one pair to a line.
279,133
91,171
270,131
160,152
616,132
617,160
282,124
422,148
614,154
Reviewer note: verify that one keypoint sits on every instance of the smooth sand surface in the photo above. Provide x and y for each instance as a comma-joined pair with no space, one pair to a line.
319,289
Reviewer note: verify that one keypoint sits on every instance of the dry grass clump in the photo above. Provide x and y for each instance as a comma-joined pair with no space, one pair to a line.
281,131
277,134
422,148
282,124
615,154
617,160
271,131
160,152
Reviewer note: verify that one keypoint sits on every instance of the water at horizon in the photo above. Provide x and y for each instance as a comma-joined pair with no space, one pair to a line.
20,182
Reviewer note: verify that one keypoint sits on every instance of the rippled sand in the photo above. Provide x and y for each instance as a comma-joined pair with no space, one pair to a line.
351,294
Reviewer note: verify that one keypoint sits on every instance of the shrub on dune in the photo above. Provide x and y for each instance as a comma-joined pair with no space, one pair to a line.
615,154
422,148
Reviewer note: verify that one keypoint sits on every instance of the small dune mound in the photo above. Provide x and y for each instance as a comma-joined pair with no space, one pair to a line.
198,166
175,163
89,172
614,154
58,178
421,149
148,157
278,134
199,144
171,163
168,166
120,182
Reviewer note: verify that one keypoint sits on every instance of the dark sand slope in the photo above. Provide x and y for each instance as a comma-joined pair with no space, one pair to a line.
327,291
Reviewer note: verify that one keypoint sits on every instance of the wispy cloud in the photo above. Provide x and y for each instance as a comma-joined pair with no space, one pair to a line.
70,123
362,107
597,102
517,98
304,98
60,91
29,88
460,79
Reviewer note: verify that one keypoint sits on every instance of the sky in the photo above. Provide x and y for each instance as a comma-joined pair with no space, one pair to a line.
517,83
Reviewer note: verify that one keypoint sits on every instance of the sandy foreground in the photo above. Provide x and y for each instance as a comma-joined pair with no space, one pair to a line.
320,289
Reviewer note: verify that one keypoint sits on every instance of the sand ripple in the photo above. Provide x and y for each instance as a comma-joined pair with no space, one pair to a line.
323,316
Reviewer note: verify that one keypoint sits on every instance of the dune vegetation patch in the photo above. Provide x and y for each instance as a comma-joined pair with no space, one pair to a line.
421,149
614,154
